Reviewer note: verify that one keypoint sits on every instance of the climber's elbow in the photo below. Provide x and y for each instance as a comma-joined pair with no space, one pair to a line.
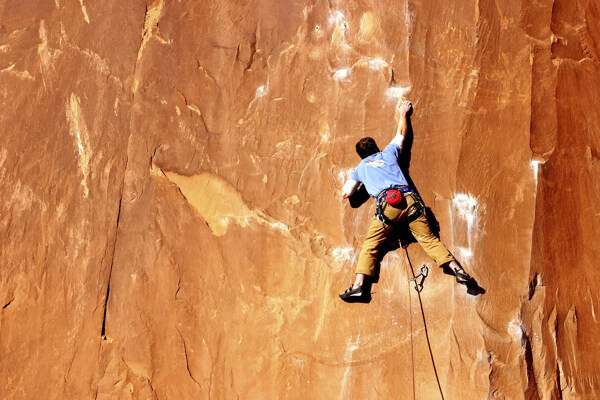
349,188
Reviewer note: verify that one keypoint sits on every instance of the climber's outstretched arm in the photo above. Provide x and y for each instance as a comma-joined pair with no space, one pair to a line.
402,111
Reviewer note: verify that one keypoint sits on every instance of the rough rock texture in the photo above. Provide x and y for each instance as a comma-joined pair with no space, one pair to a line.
170,212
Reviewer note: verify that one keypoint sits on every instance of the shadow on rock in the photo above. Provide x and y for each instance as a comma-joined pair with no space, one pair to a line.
473,288
359,197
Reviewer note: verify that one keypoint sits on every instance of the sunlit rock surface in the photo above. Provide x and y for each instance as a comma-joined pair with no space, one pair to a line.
170,203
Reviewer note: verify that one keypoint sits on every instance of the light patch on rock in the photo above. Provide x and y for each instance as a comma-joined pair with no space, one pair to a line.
466,206
368,23
342,73
344,175
257,288
116,106
194,109
325,305
409,20
3,156
316,53
535,166
335,16
178,111
43,51
397,92
60,211
325,133
293,200
372,63
219,203
351,347
265,179
22,198
261,91
283,144
84,11
515,329
342,254
150,31
78,129
376,64
278,226
465,253
464,210
20,74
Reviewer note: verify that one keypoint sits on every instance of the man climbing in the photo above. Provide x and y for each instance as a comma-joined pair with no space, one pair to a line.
397,203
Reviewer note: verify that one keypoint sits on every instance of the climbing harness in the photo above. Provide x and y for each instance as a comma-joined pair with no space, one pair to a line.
424,271
396,195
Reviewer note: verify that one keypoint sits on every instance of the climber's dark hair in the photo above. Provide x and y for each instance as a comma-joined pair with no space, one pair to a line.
366,147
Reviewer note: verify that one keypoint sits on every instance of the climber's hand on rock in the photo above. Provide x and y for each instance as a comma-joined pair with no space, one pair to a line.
404,108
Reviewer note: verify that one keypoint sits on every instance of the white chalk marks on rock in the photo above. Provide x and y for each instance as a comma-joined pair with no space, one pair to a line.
78,129
464,224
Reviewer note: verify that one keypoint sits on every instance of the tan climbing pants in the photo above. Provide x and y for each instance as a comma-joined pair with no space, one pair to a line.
420,229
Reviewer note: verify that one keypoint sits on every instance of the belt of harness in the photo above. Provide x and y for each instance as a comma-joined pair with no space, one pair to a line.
418,206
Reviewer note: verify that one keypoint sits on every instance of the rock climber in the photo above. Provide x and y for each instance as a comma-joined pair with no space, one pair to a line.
397,203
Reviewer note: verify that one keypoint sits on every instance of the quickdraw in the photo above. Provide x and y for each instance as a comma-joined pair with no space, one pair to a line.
423,273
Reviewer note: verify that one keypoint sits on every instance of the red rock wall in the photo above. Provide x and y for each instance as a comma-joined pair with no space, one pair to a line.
170,212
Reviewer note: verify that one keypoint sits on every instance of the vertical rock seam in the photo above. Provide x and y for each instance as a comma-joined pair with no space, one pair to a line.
187,363
112,261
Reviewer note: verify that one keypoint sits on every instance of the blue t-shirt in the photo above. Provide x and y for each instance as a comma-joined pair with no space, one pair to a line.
380,171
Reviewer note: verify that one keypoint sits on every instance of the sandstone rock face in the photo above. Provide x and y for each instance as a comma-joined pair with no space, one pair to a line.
170,210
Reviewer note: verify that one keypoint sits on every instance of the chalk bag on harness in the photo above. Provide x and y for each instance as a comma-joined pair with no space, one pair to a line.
390,197
393,197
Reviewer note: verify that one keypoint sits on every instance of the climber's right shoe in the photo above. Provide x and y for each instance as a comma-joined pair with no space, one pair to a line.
350,293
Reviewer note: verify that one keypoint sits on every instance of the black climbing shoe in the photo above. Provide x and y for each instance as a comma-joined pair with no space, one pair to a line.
350,292
462,277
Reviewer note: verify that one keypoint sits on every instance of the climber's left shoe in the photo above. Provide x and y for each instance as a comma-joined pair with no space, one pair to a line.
462,277
351,292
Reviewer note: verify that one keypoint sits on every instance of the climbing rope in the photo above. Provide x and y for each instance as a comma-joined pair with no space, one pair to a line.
419,287
412,352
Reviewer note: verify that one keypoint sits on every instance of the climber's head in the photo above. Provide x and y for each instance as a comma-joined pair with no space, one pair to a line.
366,147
